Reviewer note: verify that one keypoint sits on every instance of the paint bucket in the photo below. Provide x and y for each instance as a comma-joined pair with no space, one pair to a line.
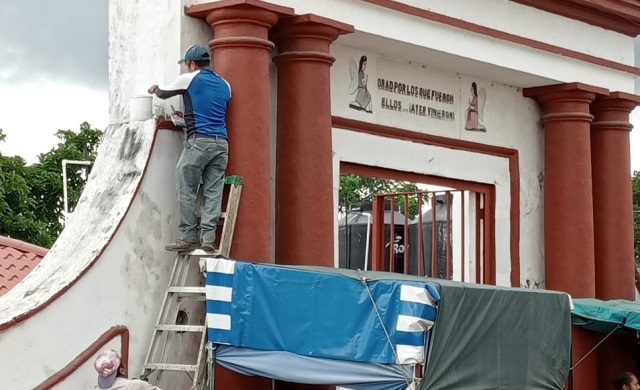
140,108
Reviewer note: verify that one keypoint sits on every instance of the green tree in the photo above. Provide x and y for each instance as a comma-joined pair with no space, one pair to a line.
635,185
31,202
354,189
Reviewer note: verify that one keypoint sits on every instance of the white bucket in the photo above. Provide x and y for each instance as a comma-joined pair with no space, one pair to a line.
140,108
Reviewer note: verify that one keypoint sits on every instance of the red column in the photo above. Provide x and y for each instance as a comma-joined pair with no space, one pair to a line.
613,204
304,176
568,205
305,212
613,221
241,51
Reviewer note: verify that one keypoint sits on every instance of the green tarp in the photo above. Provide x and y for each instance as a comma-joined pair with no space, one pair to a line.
605,316
488,337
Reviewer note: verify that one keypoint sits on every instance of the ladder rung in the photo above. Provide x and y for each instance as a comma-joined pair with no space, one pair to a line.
181,328
200,252
187,290
170,367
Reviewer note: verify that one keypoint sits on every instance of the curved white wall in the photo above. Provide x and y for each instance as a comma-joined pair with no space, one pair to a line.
124,287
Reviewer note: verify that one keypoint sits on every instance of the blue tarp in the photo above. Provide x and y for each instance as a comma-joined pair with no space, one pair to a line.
295,368
604,316
316,314
315,327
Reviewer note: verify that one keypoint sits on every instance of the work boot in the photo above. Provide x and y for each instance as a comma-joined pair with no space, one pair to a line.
182,246
208,247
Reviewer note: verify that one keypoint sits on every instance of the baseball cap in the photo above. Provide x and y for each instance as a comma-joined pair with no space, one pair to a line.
195,53
107,364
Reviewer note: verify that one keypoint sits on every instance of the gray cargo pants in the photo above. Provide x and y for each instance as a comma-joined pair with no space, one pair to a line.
203,158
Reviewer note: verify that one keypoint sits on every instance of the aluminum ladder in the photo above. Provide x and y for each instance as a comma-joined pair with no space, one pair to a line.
173,333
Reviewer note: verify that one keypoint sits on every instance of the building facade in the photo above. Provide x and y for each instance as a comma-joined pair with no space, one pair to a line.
527,102
524,102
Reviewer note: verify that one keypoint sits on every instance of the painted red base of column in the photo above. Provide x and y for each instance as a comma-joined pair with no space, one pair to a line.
585,374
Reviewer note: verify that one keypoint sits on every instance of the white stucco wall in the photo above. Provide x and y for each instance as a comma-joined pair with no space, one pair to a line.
146,40
529,22
511,121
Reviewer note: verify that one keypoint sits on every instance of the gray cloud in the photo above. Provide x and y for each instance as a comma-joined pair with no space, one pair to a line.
63,40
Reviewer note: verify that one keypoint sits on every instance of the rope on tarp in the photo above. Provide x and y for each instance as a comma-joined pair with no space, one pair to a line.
363,279
596,346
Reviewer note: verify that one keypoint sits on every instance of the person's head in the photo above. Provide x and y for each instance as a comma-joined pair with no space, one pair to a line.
626,381
109,366
195,58
363,63
474,89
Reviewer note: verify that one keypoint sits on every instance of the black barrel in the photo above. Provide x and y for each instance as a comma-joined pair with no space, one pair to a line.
352,237
441,208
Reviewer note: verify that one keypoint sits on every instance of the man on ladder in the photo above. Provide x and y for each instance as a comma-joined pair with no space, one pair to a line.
206,98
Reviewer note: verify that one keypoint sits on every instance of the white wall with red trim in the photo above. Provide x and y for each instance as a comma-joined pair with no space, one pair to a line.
408,37
509,121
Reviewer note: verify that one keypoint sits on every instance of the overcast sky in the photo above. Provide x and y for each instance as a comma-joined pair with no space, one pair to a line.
54,73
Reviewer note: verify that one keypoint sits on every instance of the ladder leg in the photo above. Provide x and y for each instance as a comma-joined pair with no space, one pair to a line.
152,345
173,307
212,365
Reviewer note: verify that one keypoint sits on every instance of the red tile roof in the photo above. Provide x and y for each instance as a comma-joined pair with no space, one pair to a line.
17,259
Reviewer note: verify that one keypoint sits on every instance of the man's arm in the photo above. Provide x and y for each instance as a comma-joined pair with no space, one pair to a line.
178,87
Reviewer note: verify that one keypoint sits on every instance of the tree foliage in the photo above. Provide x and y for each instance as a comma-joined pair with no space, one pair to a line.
635,185
355,189
31,202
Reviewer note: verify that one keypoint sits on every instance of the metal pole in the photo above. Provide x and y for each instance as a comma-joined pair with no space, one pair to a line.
366,249
66,162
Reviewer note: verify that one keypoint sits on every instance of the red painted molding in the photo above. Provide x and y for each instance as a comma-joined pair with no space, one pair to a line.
510,154
493,33
16,320
578,89
85,355
342,28
166,124
201,11
619,16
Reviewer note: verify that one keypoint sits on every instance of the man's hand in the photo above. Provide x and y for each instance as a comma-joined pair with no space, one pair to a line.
152,89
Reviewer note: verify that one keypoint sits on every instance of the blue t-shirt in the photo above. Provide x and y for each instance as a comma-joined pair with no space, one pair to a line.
206,97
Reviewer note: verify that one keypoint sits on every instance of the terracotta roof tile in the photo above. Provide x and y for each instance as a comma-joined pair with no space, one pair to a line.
17,259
